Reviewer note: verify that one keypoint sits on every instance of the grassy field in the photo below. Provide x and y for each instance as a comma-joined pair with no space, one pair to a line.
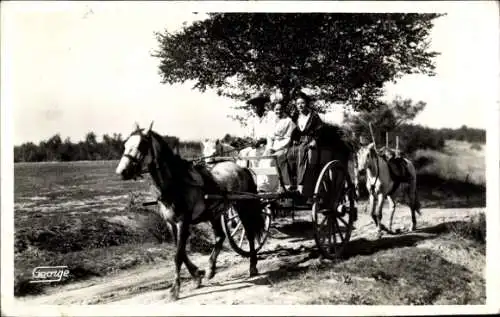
82,215
455,177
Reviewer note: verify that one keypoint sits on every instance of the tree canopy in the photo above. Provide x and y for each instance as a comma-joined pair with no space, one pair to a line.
340,57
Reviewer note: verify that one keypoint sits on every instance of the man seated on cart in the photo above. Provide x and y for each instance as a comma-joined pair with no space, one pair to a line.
260,130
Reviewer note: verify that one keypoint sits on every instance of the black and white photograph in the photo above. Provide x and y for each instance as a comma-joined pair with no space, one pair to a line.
310,157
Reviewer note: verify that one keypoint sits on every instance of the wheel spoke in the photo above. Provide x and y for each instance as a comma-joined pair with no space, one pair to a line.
340,232
330,230
335,239
241,239
332,187
236,229
323,221
343,221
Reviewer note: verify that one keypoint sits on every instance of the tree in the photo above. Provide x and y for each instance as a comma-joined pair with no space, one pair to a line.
341,57
386,117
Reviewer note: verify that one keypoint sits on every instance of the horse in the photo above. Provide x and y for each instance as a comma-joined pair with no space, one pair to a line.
182,186
213,148
382,182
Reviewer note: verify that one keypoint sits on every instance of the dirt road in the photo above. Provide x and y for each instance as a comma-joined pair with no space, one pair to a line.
289,251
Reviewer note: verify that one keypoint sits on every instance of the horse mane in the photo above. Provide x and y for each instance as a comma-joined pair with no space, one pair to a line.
335,136
166,159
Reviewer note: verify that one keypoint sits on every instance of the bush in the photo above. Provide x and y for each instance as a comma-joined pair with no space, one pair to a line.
476,146
414,137
474,229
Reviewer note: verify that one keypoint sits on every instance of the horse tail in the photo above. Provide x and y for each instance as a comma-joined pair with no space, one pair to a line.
250,210
415,203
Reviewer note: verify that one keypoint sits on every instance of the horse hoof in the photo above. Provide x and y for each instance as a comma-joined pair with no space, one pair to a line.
174,293
211,274
198,282
254,272
199,277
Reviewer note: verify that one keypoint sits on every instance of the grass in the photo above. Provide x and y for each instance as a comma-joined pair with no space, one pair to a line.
453,178
459,162
84,217
434,272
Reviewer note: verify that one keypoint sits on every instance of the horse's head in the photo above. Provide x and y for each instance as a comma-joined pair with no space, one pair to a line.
136,149
211,148
364,156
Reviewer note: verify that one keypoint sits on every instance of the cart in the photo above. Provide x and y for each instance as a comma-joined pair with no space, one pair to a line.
333,210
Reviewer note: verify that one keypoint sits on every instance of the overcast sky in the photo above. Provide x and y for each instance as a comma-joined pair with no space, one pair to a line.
75,67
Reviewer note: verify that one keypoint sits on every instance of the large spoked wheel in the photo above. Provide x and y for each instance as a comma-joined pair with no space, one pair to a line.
333,211
236,233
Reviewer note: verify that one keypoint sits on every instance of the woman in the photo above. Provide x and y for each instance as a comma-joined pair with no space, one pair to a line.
280,141
304,155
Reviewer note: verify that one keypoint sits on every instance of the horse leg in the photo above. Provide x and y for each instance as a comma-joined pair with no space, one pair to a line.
414,205
378,213
182,235
194,271
174,232
251,242
253,255
219,240
392,207
181,257
371,206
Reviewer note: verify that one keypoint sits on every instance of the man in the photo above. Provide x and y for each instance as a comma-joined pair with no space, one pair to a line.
261,128
280,141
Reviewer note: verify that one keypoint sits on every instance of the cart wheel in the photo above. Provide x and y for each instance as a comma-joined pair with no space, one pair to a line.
235,232
333,211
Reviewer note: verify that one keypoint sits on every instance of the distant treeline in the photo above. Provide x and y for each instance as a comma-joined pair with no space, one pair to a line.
411,138
55,149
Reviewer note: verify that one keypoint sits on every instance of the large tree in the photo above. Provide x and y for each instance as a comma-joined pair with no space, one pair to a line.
340,57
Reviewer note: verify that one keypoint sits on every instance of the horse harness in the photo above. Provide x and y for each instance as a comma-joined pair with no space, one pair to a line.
392,164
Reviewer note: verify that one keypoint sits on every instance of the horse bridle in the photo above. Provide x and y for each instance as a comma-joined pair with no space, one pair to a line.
137,163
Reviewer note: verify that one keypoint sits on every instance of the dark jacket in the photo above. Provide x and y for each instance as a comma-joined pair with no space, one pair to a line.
312,130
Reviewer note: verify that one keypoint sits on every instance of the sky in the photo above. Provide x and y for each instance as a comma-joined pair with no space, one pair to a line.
71,68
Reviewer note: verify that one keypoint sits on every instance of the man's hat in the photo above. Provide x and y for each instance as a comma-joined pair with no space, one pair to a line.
258,99
363,140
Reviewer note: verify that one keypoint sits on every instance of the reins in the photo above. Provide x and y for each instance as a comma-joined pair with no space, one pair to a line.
202,158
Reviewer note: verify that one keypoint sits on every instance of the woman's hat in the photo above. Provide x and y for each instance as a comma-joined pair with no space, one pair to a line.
258,99
304,96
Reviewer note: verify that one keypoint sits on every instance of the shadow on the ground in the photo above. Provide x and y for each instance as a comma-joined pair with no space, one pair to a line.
297,229
356,247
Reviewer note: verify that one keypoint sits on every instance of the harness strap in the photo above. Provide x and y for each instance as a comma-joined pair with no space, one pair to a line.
216,154
372,187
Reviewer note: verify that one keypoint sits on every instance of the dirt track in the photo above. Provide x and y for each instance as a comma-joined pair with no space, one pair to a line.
290,246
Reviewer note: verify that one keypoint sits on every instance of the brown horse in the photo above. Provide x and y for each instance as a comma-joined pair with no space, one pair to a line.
183,187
